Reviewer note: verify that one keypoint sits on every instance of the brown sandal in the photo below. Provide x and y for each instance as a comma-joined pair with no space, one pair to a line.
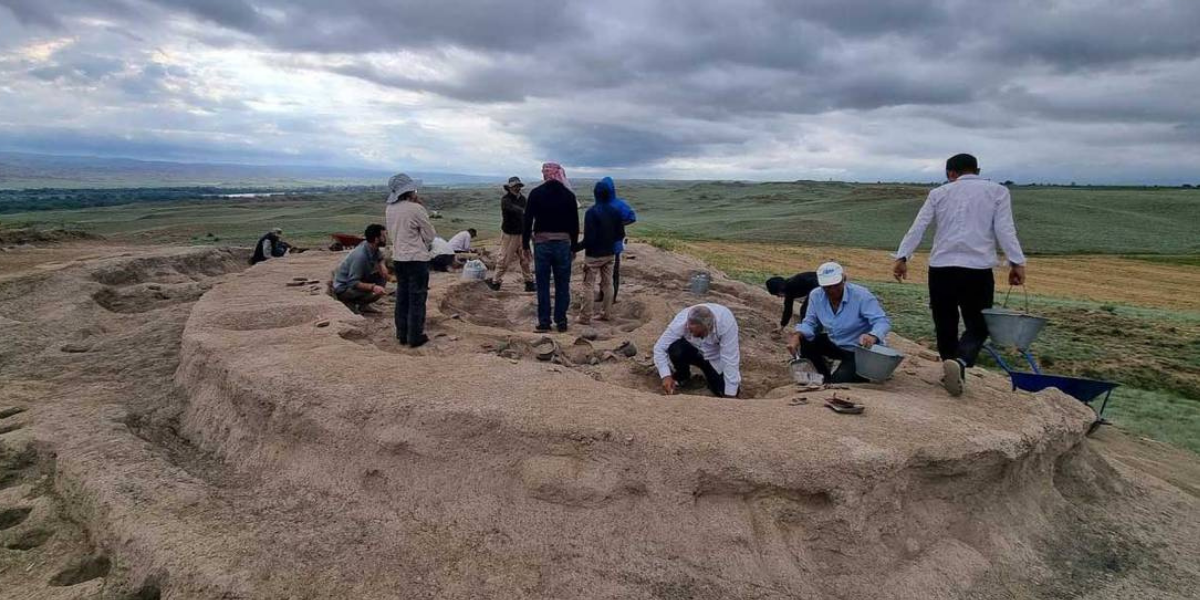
844,407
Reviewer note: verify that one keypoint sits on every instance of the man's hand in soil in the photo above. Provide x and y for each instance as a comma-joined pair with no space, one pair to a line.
378,290
867,340
1016,275
669,385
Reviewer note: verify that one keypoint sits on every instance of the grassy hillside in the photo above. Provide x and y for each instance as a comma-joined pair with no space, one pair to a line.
1051,220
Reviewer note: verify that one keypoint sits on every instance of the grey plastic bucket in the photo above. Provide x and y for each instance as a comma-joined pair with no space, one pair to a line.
877,362
699,283
1012,328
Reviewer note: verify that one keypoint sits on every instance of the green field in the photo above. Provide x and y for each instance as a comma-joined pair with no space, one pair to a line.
1052,220
1153,352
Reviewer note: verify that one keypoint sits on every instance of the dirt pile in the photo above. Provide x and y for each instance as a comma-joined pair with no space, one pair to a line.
23,236
301,453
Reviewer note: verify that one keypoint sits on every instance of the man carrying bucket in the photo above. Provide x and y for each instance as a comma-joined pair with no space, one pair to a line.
840,316
971,216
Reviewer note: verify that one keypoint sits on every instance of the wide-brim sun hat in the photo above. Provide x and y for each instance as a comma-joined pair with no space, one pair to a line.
401,184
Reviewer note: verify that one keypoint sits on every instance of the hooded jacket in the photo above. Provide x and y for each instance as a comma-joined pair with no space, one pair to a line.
602,224
628,217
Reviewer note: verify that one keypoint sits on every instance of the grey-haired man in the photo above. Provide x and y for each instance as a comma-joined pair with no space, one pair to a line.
703,336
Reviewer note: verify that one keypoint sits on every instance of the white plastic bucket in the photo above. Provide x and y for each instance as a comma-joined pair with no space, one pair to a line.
474,270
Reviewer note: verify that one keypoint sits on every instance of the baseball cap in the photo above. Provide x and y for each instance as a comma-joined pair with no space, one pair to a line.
830,273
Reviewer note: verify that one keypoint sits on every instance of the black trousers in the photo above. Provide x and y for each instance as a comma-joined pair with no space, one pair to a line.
954,290
441,262
820,350
412,290
684,356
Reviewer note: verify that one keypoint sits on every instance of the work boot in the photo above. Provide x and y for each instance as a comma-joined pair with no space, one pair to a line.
421,341
494,285
954,376
368,309
562,327
530,286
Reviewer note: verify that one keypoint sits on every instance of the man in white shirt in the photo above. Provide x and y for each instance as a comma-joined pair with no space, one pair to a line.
971,216
704,336
441,255
461,242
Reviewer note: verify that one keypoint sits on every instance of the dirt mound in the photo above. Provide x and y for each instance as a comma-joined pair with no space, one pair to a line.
304,454
11,237
510,451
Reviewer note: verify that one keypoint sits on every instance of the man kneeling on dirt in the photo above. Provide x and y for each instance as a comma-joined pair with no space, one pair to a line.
704,336
359,280
840,316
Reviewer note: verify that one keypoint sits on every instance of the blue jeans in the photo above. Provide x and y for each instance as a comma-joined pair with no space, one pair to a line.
552,258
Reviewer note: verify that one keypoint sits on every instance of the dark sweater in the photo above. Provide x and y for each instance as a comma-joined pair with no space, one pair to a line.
512,214
603,227
797,287
551,209
278,247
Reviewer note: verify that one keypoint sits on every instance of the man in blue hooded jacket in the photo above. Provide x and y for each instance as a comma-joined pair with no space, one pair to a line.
603,229
628,217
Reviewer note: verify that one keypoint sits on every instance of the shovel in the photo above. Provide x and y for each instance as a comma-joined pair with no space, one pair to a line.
803,371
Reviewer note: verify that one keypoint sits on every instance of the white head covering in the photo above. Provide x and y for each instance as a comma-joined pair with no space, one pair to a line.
401,184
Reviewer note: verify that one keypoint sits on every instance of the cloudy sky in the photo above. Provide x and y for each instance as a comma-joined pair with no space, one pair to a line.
1041,90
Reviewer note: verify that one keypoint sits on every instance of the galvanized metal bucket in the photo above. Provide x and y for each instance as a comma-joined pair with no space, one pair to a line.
1013,328
876,363
699,283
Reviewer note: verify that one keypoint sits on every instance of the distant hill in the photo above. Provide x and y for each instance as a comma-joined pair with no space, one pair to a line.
25,171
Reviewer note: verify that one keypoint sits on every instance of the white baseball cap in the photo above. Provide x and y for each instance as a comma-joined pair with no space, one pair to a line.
830,273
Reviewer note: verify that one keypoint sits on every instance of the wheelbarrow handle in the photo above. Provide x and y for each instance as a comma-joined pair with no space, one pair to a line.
1009,293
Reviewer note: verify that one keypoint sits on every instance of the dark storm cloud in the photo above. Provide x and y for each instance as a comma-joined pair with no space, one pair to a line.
632,82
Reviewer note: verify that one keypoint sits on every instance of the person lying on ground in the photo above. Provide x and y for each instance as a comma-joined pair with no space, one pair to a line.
270,245
360,279
840,316
971,216
461,241
412,240
552,226
512,226
703,336
796,286
603,229
441,255
628,217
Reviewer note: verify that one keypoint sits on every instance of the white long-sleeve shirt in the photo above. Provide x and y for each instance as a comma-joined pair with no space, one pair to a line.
461,242
720,347
971,215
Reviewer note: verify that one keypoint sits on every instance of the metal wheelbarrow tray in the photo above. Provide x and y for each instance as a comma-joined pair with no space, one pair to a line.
1079,388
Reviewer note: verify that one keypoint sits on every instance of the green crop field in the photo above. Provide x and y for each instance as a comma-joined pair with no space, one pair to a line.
1154,352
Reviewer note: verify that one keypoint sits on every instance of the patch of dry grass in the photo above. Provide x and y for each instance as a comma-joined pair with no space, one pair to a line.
1103,279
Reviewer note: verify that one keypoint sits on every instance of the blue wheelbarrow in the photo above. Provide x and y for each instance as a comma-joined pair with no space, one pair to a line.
1083,390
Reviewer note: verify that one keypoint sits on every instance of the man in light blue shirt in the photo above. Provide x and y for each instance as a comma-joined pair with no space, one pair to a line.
840,316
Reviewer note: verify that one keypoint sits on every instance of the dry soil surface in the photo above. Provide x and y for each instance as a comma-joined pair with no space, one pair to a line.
175,425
